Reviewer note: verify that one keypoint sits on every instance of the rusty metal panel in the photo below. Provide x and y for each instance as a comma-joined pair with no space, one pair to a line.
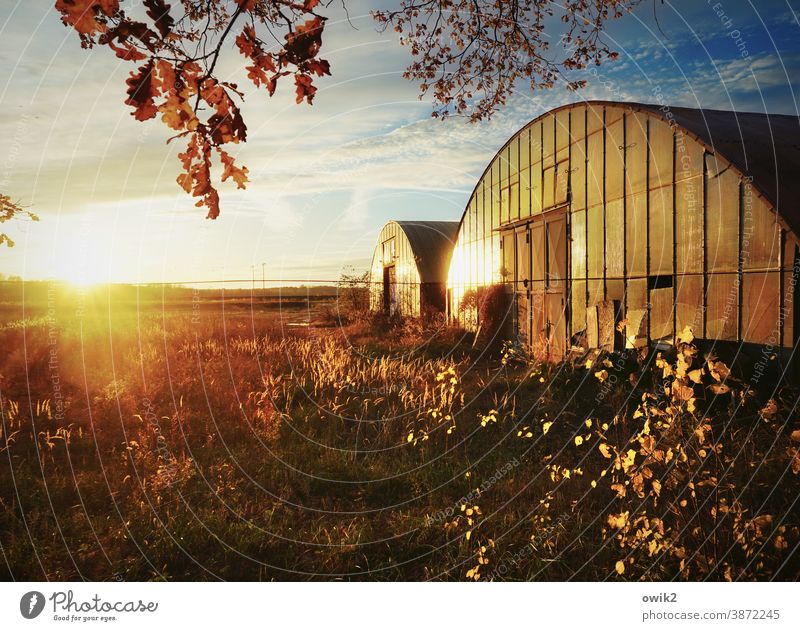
661,151
513,200
577,121
688,156
578,244
538,323
556,325
578,301
562,182
536,189
594,118
689,226
594,245
536,142
524,149
760,303
548,141
761,241
615,158
525,193
635,153
661,314
636,314
538,252
722,304
722,221
636,234
523,260
556,250
494,200
548,185
615,289
661,230
562,130
791,277
615,113
594,175
689,304
596,292
513,159
505,197
577,176
606,324
615,238
592,330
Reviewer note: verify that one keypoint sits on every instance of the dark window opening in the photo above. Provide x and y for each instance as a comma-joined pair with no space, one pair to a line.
659,281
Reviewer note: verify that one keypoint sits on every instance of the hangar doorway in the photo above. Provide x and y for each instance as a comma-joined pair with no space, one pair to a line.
535,256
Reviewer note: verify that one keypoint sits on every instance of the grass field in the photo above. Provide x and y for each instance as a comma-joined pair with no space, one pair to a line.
206,439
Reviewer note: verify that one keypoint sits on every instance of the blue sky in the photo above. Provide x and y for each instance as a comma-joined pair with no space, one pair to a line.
324,178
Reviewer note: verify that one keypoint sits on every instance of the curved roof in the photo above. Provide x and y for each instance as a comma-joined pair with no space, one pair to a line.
765,147
432,243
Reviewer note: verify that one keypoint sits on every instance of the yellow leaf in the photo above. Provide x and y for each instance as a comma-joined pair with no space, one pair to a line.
620,566
686,336
546,427
578,441
605,450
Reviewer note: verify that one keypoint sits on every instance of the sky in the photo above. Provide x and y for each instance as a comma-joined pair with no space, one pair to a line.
324,178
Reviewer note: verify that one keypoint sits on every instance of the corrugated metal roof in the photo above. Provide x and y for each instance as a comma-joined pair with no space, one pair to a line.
765,147
432,244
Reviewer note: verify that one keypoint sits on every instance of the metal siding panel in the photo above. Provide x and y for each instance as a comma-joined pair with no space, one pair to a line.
548,187
661,314
562,182
661,231
689,304
722,222
688,156
615,160
636,153
615,239
578,176
661,154
636,234
548,141
760,233
689,226
594,175
578,289
722,303
578,246
594,246
636,314
760,303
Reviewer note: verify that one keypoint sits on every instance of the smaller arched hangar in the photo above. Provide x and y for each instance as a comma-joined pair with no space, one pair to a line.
409,268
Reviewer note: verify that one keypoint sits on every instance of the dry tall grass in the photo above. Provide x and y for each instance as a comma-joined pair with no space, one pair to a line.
168,446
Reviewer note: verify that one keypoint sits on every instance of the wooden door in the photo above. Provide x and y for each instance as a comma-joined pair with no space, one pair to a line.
556,285
522,286
389,290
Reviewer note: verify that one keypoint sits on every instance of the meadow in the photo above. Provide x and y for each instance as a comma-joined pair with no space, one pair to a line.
194,438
